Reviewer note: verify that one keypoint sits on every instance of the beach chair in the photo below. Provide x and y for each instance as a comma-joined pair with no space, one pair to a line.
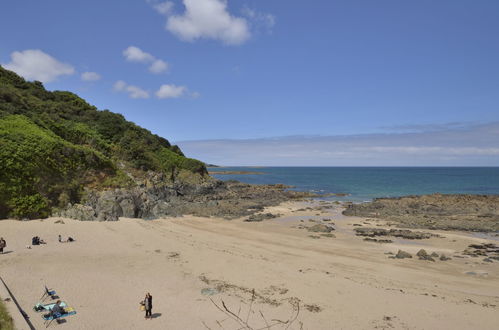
47,320
47,307
47,293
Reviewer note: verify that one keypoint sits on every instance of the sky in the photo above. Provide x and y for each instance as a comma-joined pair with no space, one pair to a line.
277,82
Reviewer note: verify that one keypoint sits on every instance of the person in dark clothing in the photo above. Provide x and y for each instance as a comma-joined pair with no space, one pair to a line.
148,305
3,244
56,311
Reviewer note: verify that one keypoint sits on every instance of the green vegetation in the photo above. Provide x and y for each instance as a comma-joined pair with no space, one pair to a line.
53,144
6,322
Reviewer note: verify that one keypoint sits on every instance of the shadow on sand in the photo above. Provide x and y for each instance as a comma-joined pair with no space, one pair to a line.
155,315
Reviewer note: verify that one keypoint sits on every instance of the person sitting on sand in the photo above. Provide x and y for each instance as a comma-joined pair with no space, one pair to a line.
60,239
3,244
57,309
35,240
70,239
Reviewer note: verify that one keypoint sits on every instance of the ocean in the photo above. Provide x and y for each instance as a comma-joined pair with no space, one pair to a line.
366,183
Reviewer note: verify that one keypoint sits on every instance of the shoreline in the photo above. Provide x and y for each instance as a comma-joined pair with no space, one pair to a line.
181,260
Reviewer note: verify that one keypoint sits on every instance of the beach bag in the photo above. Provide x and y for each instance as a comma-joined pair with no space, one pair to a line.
142,306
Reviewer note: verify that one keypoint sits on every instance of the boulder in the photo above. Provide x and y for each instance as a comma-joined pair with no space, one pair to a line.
320,228
424,256
402,255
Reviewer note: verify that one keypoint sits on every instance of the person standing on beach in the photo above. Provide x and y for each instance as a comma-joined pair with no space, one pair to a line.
3,244
148,305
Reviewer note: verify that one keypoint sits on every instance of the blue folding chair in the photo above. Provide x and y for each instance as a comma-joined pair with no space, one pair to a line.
47,293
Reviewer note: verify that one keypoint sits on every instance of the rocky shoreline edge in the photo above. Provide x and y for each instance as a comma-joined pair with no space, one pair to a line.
478,213
155,199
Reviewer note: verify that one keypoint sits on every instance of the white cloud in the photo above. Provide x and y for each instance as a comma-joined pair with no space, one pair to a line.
158,66
208,19
135,54
133,92
33,64
170,91
90,76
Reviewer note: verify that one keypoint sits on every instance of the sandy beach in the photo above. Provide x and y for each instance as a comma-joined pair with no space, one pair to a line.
338,282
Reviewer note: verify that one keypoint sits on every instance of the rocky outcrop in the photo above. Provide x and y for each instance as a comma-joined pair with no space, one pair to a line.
437,211
320,228
402,255
154,199
488,250
423,255
369,239
402,233
261,216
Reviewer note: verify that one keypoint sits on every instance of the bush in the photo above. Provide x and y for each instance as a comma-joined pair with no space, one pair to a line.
6,322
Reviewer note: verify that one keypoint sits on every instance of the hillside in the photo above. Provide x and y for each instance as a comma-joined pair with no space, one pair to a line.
54,146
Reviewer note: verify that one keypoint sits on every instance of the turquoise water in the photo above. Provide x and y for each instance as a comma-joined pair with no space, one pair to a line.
366,183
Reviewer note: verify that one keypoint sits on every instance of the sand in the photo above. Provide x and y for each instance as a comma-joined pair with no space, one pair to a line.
338,283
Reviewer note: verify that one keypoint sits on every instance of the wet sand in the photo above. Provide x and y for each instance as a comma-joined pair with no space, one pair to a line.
338,283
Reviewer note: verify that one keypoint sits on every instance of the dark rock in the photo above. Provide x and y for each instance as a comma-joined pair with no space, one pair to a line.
403,233
321,228
369,239
402,255
261,217
443,257
424,256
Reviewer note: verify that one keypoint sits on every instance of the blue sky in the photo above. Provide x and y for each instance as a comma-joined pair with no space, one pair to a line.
253,70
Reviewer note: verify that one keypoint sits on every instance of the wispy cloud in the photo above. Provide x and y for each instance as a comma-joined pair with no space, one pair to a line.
135,54
471,145
34,64
133,92
90,76
261,21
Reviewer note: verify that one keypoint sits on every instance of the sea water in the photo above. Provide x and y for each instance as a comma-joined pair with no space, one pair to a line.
366,183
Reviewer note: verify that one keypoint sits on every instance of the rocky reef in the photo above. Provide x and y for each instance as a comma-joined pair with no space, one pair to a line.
436,211
402,233
153,198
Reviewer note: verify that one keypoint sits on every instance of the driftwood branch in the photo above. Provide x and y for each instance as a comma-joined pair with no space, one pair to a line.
245,324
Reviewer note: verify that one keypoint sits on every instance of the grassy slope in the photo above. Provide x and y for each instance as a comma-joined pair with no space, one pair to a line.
6,322
52,144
